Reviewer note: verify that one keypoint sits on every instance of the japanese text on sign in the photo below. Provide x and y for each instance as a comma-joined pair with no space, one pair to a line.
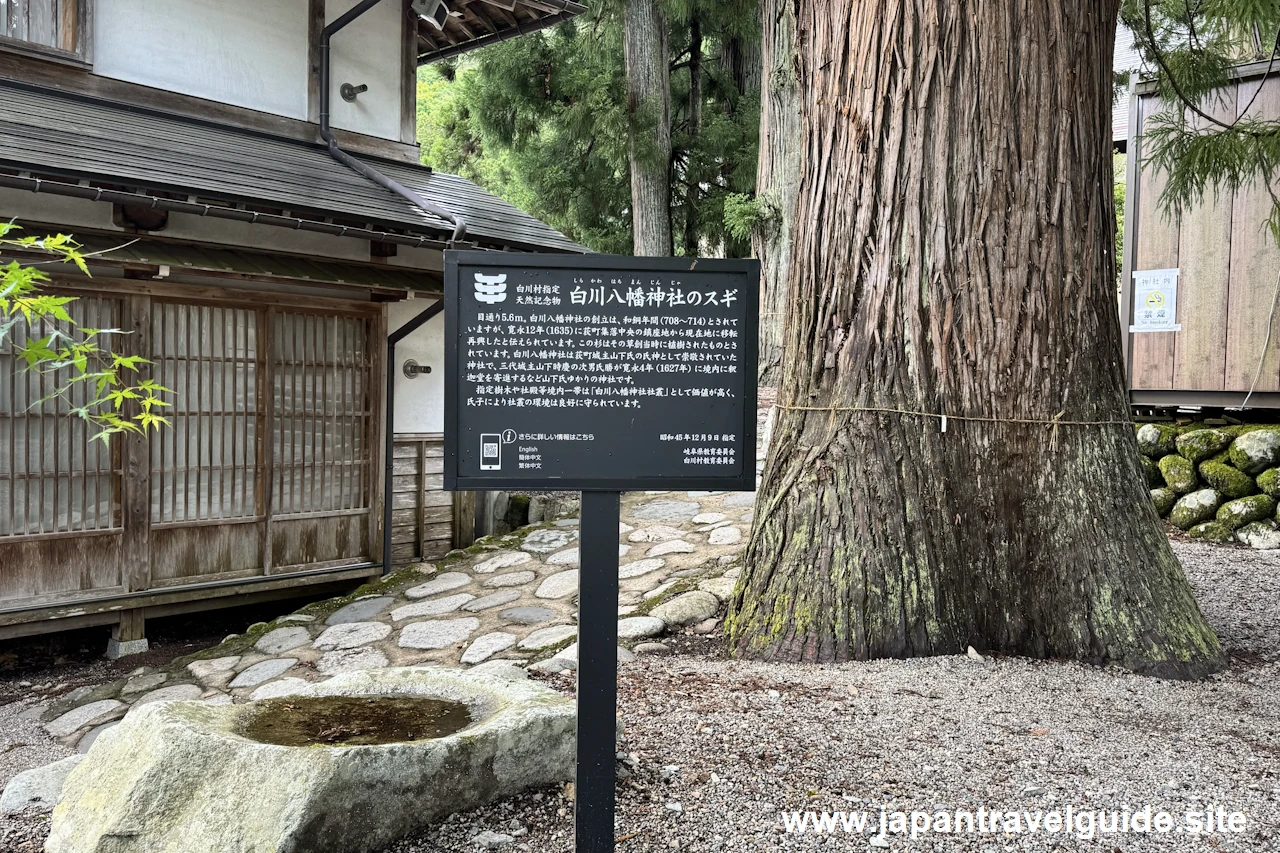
1155,301
602,375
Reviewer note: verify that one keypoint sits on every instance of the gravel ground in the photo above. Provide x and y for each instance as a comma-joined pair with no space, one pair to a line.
718,749
736,744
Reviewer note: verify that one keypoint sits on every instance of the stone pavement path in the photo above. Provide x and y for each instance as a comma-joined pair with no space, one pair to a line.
509,599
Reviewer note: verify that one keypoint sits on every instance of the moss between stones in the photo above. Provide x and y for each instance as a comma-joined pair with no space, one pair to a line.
1200,444
1212,531
1150,470
1223,458
1242,511
680,586
1238,430
1164,499
1179,474
1269,482
1227,480
83,696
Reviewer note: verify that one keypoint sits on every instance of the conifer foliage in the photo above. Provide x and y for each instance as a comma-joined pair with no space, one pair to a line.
1190,48
543,121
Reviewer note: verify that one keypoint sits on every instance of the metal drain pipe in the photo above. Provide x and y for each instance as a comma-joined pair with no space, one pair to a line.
394,338
326,97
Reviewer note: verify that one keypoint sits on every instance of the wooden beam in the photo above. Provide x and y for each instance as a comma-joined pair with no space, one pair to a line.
200,293
504,11
106,610
425,35
315,25
540,6
477,11
460,24
409,75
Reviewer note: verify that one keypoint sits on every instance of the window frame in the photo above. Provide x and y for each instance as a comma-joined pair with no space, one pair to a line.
81,56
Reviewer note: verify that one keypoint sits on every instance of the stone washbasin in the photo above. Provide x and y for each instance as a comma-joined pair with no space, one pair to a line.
345,766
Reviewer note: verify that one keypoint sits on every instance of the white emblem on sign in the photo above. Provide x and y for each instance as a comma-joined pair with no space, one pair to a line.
491,289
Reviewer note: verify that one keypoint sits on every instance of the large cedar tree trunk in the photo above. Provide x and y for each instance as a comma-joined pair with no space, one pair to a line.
649,111
952,254
778,177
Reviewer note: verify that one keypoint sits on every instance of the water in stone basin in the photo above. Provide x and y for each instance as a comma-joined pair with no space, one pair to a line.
352,720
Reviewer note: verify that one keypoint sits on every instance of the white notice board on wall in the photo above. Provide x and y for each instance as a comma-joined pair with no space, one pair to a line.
1155,301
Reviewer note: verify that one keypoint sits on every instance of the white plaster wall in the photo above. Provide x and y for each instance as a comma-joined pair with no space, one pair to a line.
250,53
253,54
419,401
368,50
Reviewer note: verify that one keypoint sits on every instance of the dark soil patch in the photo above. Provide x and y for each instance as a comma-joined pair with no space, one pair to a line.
53,664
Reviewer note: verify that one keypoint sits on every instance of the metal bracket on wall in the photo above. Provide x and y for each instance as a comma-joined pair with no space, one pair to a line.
412,370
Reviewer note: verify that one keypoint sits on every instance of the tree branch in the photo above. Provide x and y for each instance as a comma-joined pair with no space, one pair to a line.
1164,66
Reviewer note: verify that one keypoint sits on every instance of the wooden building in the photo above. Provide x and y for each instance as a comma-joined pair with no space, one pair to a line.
1228,273
184,143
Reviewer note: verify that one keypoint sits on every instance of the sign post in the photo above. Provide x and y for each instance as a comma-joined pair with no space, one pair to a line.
597,673
600,374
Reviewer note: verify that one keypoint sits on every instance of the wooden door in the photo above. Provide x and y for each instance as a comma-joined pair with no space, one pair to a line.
208,520
270,465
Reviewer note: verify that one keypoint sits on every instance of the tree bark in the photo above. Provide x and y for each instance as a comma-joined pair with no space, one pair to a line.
952,255
649,111
743,58
693,175
777,179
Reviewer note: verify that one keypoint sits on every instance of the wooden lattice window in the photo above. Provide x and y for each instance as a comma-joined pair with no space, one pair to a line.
321,439
55,27
55,477
206,466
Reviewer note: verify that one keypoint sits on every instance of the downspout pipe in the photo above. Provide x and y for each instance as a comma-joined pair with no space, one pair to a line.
459,224
394,338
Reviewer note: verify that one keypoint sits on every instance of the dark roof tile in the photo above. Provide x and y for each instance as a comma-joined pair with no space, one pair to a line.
55,133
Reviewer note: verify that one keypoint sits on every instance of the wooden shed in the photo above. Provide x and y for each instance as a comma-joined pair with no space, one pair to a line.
1227,272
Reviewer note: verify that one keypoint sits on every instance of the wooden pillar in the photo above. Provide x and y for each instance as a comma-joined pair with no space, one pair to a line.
266,457
128,636
376,439
464,519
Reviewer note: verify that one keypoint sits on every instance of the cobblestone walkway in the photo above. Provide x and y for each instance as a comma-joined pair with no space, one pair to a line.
506,601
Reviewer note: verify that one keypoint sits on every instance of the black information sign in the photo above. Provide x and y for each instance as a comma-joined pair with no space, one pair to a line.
599,372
